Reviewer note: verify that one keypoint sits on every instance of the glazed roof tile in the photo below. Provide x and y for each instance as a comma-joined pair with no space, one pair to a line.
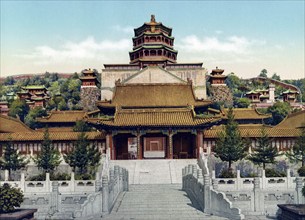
55,136
255,132
63,116
245,113
173,117
154,95
10,125
293,120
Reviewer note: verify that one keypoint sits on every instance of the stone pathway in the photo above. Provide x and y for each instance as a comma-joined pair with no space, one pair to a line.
157,201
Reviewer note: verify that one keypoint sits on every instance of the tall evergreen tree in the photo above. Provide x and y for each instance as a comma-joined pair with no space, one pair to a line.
229,145
48,159
264,153
83,156
298,151
12,160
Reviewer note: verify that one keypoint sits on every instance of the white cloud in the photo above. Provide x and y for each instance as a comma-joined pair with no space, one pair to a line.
74,52
127,29
233,44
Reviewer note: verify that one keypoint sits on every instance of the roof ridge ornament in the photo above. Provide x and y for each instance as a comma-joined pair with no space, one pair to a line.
152,19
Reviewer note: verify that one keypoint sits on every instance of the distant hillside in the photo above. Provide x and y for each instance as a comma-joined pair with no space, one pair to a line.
30,75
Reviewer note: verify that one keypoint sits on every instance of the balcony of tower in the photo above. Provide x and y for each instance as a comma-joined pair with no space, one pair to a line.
152,40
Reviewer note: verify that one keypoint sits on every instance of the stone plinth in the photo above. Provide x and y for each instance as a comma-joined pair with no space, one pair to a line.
19,214
292,212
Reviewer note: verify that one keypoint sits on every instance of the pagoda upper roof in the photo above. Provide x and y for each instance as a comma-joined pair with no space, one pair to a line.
153,33
153,95
63,117
11,125
147,26
155,117
217,71
156,46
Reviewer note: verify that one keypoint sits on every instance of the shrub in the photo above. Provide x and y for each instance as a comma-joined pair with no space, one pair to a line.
60,176
9,198
274,173
249,175
85,176
301,171
39,177
226,173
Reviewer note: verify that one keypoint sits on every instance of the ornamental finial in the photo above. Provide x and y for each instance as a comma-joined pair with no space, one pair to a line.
152,19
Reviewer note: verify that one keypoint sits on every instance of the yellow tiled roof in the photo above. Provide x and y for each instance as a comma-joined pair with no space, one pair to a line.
154,118
63,116
10,125
154,95
55,136
245,113
255,131
293,120
56,129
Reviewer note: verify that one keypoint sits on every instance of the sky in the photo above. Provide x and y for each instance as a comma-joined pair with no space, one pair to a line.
243,37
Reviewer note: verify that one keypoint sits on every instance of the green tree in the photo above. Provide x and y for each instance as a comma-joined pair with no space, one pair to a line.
229,145
19,108
10,198
48,158
94,157
243,103
81,126
276,77
279,111
83,156
9,80
30,119
297,154
264,153
12,160
263,73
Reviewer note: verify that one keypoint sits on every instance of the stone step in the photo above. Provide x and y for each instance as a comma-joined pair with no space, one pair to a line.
154,171
163,201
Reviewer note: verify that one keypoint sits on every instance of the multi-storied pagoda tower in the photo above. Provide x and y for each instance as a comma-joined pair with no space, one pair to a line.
90,93
153,45
153,60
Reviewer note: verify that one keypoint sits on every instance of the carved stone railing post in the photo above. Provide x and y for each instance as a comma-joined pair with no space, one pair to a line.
105,195
258,196
199,176
207,193
54,199
97,182
121,181
299,185
215,184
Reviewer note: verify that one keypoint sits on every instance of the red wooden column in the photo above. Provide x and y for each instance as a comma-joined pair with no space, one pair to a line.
109,145
139,147
170,145
199,143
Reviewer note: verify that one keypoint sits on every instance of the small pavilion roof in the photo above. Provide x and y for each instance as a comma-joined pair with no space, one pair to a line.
154,95
154,117
63,116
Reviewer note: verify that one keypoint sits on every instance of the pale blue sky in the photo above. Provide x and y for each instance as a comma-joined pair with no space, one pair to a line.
67,36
